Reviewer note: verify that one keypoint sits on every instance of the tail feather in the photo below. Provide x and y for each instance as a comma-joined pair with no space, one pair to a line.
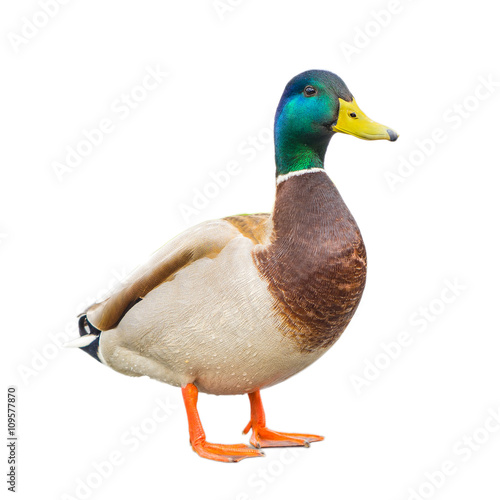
89,338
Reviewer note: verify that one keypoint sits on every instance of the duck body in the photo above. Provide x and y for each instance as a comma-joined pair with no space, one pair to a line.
278,294
235,305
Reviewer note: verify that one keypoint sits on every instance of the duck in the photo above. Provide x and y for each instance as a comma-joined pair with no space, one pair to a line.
239,304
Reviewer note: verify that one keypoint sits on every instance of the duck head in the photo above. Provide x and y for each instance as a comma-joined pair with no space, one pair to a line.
314,106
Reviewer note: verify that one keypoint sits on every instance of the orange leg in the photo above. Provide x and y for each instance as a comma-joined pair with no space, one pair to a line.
262,437
219,452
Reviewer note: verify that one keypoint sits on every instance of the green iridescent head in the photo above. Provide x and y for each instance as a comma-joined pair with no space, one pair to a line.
315,105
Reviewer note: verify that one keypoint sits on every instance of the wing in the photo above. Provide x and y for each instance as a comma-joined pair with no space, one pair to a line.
204,240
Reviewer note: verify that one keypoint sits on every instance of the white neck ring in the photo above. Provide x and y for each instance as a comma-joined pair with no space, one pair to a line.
284,177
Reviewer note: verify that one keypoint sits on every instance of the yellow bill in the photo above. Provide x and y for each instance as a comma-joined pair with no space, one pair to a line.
354,122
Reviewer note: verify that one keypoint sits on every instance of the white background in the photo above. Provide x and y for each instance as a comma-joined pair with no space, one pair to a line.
64,240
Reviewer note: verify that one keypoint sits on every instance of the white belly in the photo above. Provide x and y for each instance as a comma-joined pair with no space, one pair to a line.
212,325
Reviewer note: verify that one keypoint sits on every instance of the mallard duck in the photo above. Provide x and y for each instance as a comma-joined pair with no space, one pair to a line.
235,305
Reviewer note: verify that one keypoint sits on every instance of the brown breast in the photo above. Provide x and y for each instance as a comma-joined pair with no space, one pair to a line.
316,262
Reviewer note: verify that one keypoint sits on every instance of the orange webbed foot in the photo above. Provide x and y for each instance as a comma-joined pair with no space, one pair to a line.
212,451
225,452
263,437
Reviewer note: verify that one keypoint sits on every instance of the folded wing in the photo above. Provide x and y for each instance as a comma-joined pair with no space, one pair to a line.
204,240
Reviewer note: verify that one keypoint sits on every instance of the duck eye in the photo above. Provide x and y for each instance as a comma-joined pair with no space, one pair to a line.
352,115
310,91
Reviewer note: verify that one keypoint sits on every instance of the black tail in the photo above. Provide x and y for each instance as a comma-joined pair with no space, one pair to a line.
86,329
